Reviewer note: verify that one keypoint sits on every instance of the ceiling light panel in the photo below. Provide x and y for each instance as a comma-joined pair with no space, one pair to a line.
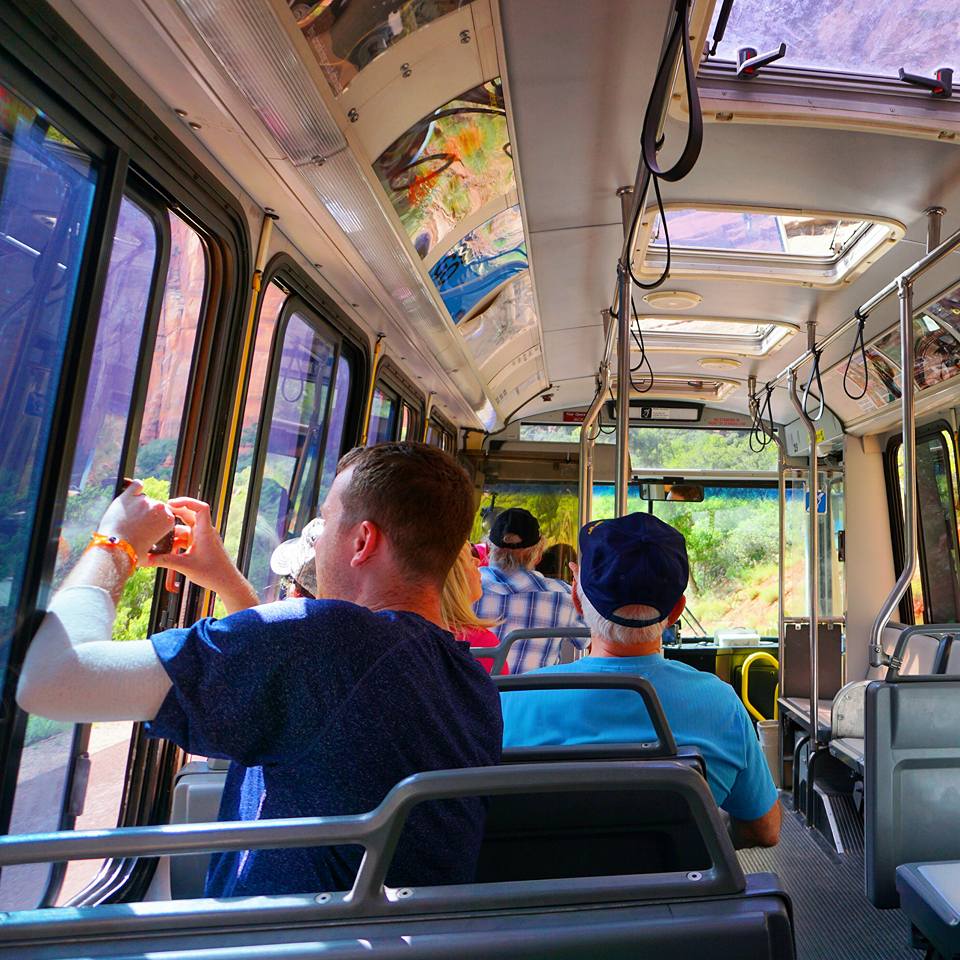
254,50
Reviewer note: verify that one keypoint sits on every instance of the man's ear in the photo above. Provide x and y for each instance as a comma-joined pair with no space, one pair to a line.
367,542
575,591
676,611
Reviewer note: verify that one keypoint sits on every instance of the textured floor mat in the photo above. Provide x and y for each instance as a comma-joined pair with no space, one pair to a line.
833,918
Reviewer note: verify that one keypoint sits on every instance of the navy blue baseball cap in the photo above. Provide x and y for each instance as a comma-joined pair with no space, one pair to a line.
636,559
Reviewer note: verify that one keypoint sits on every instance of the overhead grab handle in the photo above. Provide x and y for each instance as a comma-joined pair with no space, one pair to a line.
940,84
749,61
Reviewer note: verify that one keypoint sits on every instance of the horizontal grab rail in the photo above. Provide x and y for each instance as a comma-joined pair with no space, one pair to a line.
666,745
500,651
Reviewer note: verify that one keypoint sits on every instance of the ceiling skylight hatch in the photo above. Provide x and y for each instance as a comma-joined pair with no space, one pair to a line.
828,64
815,248
709,389
748,338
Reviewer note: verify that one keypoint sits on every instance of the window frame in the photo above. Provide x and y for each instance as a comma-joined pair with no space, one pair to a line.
343,344
936,428
391,379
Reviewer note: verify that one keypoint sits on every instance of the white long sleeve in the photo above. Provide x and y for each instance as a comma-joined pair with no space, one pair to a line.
74,671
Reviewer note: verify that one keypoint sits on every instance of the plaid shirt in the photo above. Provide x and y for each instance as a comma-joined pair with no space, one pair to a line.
524,599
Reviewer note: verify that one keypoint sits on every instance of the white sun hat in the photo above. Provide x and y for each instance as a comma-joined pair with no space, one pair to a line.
296,558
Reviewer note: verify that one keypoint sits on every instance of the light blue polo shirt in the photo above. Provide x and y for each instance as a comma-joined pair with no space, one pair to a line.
702,710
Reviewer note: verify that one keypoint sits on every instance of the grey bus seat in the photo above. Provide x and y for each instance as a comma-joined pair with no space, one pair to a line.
500,651
667,913
922,650
798,709
930,897
911,778
196,799
664,746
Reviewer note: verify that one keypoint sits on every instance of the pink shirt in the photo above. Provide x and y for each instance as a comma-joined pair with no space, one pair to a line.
481,637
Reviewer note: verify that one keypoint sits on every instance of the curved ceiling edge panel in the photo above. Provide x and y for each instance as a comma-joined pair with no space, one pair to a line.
253,48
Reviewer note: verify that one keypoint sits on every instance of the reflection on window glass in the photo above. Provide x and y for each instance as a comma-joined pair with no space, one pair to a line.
483,260
47,185
742,231
448,165
294,445
383,416
46,190
335,430
936,346
181,311
345,36
274,298
935,587
184,293
106,409
866,38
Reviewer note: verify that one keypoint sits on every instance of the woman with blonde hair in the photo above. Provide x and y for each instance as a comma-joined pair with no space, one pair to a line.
461,591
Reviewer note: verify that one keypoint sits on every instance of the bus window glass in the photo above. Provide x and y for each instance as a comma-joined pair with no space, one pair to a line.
93,478
335,430
46,191
106,409
274,298
47,185
383,417
796,534
293,444
184,293
731,541
935,587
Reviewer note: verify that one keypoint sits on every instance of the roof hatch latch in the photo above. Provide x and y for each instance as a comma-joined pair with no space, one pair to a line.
940,84
749,61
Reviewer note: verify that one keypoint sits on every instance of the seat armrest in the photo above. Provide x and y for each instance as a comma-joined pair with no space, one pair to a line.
847,713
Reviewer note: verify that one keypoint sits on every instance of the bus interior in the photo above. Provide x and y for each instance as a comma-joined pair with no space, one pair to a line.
696,258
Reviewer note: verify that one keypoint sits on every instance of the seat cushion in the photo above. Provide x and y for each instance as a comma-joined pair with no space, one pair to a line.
850,751
930,897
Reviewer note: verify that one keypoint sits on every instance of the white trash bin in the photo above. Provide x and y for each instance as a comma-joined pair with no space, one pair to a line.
769,732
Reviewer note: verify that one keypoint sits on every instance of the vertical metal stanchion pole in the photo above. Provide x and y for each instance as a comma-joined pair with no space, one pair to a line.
622,477
909,441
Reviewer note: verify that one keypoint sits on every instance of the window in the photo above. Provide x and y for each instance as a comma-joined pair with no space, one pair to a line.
383,416
822,238
830,517
145,241
754,338
274,298
732,541
819,248
47,186
409,424
934,595
936,345
561,433
302,437
873,39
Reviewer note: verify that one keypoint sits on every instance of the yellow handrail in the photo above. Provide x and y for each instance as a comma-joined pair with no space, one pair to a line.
761,656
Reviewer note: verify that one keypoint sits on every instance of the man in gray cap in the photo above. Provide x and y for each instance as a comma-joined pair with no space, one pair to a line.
519,597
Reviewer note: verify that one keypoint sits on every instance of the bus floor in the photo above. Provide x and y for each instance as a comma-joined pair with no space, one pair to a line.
832,917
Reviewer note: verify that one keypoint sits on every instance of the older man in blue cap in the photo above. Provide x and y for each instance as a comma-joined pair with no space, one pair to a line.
629,588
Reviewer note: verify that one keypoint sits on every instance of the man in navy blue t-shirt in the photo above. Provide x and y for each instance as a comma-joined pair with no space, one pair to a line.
321,705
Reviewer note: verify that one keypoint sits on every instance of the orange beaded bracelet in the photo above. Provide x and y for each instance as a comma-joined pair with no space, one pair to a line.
100,540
